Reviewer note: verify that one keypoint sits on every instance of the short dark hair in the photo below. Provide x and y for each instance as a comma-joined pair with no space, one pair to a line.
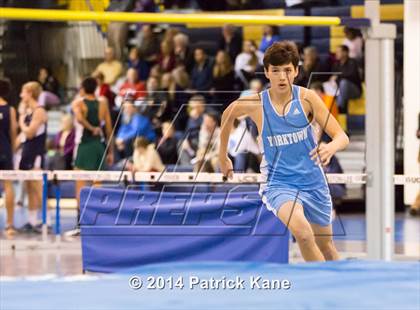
281,53
141,142
345,48
214,116
201,49
4,88
100,76
89,85
317,86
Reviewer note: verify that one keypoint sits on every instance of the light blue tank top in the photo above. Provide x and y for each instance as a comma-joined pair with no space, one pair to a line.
287,140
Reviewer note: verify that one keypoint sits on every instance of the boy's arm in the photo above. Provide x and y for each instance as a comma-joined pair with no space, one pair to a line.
13,128
38,118
234,110
323,153
78,114
106,117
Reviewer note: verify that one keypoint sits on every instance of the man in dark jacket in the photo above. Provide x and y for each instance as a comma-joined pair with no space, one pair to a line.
348,78
202,72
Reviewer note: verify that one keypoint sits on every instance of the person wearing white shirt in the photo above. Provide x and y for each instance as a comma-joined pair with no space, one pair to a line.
248,62
241,146
354,42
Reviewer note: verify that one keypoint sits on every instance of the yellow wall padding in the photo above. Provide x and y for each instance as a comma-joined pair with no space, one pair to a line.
342,120
253,33
334,43
97,5
63,3
337,31
358,106
388,12
81,5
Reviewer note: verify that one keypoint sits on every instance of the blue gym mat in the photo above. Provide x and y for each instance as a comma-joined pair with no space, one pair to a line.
331,285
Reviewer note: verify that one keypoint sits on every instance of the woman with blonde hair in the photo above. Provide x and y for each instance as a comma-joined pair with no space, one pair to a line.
223,81
166,58
145,157
248,62
33,126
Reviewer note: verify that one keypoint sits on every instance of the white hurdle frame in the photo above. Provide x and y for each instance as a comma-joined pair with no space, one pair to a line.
127,177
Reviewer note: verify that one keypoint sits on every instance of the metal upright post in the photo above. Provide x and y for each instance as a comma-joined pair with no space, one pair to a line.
379,67
44,206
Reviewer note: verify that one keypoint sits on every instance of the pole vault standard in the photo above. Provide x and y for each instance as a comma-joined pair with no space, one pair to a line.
380,201
379,94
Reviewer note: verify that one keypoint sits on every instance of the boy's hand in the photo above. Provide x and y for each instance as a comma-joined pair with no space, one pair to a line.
226,167
322,153
97,131
110,159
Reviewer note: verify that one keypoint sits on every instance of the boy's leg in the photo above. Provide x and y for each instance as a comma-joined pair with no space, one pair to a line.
9,202
291,214
348,91
323,238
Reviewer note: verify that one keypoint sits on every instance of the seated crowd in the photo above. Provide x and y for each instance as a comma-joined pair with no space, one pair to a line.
162,106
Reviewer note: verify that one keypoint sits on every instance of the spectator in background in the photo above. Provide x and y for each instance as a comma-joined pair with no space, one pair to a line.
132,125
8,132
231,41
48,81
354,42
64,144
183,53
132,87
223,81
140,65
170,34
308,72
177,4
144,6
348,81
156,108
149,45
337,191
50,95
33,127
207,156
168,145
111,68
104,90
202,73
166,59
248,62
196,109
270,35
328,100
178,98
117,37
255,87
166,82
145,157
156,72
243,148
117,31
